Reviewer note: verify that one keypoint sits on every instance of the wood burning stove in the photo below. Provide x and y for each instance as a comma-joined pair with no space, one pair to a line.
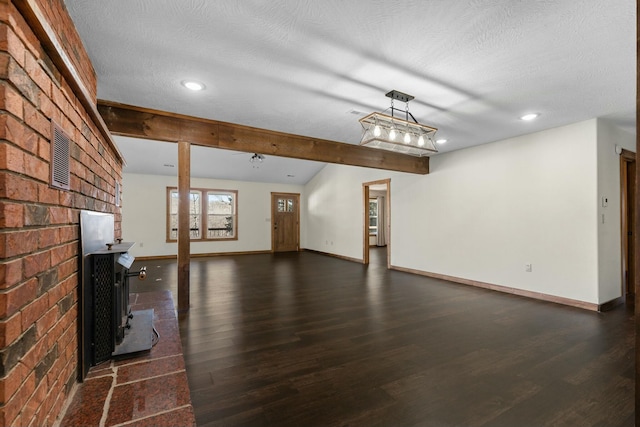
108,326
107,300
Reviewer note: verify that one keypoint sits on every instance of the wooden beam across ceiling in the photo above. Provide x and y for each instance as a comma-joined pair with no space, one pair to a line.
139,122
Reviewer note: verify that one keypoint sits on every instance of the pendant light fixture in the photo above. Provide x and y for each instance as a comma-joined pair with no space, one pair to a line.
394,133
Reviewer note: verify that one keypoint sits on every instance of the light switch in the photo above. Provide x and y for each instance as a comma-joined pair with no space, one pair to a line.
605,202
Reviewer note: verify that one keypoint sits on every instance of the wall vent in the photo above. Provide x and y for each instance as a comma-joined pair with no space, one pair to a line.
60,158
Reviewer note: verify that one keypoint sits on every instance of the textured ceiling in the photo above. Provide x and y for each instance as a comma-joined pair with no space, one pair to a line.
314,67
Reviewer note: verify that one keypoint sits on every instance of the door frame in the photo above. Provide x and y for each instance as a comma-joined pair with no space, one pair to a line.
274,194
626,157
365,223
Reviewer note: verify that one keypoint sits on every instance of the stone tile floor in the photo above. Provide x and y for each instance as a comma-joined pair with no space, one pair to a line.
149,389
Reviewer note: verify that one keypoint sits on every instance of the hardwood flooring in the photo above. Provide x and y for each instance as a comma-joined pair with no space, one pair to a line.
302,339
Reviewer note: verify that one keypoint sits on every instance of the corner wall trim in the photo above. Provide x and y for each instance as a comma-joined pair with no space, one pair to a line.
504,289
346,258
610,305
204,255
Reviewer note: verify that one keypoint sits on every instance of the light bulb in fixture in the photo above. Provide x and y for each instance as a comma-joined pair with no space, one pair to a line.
392,134
377,131
421,141
256,158
407,138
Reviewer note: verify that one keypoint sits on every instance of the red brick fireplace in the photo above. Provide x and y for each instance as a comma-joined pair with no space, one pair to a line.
45,77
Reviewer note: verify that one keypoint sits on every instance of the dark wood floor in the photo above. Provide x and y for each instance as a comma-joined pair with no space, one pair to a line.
303,339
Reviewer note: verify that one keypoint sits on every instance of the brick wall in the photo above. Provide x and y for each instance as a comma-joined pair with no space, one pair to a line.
58,17
39,225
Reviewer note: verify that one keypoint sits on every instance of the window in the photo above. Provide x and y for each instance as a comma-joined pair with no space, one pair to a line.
285,205
221,215
213,214
373,216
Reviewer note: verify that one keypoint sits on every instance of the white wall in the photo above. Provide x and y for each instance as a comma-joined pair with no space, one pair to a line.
609,238
482,213
144,214
335,209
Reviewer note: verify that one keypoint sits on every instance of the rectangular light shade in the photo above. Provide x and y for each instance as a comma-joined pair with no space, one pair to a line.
421,137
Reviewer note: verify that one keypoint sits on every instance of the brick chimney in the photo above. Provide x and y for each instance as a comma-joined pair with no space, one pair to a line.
39,223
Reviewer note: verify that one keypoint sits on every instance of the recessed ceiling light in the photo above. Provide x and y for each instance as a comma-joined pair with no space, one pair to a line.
529,117
193,85
441,141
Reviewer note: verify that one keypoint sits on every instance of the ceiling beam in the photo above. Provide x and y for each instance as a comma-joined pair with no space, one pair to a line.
139,122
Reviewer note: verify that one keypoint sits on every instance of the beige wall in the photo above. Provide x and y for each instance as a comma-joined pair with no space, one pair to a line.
144,214
483,213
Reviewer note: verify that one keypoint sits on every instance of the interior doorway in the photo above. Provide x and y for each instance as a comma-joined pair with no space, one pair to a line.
285,222
377,220
628,209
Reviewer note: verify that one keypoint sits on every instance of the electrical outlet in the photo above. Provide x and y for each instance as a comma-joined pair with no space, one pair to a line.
528,268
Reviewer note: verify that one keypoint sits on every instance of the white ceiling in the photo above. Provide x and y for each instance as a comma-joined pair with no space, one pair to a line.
314,67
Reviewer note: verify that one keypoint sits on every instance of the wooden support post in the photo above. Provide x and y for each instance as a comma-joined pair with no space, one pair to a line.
635,233
184,241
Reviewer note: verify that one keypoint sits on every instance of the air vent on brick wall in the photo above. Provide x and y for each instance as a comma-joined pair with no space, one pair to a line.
60,146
